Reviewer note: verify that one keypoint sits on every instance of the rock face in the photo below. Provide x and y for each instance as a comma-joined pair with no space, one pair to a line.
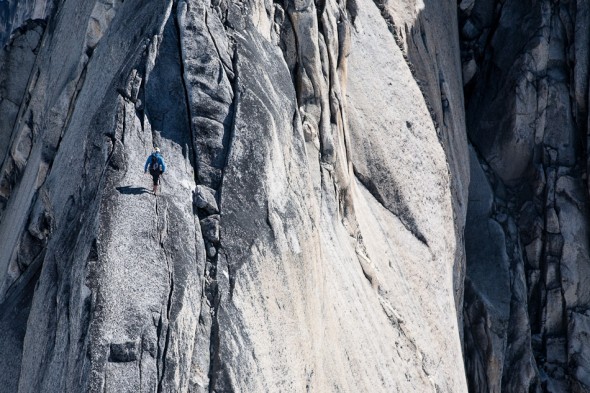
309,231
15,13
335,216
525,66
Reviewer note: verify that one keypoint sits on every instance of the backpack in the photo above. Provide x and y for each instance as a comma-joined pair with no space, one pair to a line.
155,164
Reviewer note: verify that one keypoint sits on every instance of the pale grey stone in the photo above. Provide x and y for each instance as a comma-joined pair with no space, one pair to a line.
205,199
469,71
322,225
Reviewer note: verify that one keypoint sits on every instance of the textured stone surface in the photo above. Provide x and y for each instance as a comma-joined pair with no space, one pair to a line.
323,224
527,117
14,13
16,62
205,199
308,233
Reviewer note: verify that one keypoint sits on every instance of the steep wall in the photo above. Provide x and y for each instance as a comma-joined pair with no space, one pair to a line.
308,234
525,67
14,13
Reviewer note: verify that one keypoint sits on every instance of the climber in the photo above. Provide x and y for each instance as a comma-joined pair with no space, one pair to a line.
155,162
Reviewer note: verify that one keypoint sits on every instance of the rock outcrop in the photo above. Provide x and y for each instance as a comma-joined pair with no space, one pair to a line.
15,13
525,68
335,215
308,234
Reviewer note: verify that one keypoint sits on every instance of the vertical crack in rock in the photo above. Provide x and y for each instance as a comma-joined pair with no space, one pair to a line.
211,98
230,137
139,363
163,234
185,89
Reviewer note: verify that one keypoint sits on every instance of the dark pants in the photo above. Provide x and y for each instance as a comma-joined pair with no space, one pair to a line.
155,176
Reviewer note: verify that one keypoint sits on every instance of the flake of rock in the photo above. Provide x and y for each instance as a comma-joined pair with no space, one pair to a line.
469,71
552,221
210,228
554,244
552,276
533,253
466,5
205,199
470,31
211,249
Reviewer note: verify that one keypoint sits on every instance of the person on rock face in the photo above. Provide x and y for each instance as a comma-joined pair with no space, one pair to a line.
156,165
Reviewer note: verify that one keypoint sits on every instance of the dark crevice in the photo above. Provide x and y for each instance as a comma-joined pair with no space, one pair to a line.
232,277
123,128
160,352
230,134
324,140
215,363
170,268
139,363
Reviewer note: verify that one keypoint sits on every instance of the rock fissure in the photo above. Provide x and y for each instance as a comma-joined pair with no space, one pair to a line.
139,363
191,150
215,362
164,318
232,125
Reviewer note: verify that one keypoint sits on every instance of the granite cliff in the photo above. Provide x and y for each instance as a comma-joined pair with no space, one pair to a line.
362,196
525,67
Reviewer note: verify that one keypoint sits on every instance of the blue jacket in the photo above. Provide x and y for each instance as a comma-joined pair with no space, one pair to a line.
160,162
